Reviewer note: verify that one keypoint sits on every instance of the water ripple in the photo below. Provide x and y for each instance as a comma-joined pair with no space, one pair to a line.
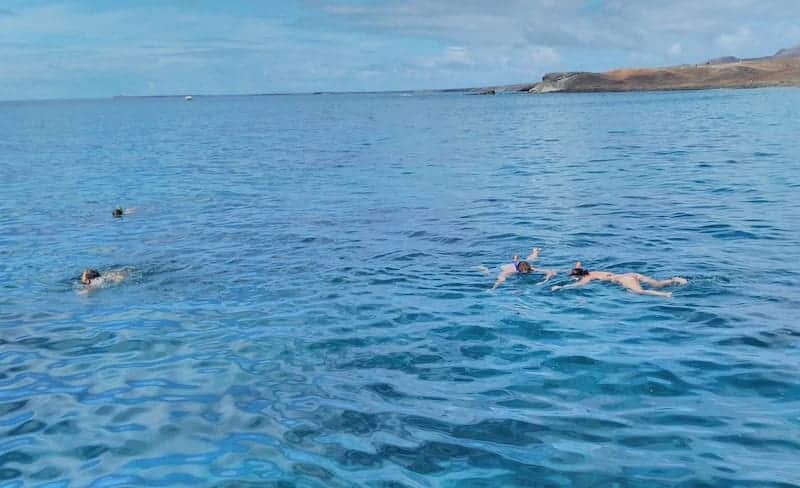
303,306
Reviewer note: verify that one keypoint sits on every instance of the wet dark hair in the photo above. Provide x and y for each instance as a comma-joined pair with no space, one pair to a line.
523,267
88,275
117,212
578,272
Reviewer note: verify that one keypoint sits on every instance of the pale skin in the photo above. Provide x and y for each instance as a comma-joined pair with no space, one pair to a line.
630,281
511,269
106,279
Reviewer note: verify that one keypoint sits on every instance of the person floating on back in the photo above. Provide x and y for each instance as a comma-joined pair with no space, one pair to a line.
630,281
522,267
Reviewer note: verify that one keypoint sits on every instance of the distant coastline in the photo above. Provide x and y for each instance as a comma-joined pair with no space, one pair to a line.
780,69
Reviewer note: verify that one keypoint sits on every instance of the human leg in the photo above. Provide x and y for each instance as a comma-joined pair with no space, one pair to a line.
631,283
660,283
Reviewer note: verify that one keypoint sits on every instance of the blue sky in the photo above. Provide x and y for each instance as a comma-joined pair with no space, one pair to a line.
94,48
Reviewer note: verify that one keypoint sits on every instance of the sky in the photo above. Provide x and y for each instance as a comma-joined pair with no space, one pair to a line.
101,48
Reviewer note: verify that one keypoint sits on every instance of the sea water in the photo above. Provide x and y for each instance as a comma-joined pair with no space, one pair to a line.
303,305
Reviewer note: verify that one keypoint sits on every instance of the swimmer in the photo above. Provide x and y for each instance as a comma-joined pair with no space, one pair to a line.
119,211
523,267
630,281
92,279
88,275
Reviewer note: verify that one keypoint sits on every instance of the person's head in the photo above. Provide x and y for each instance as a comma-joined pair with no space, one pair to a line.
117,212
578,271
88,275
524,267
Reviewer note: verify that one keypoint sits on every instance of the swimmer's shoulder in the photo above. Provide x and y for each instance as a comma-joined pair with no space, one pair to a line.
115,276
96,283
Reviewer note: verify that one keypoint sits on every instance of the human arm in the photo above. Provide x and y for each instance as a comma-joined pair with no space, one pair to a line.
505,272
548,275
582,282
534,255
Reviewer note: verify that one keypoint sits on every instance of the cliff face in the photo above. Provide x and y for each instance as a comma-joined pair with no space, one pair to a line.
782,69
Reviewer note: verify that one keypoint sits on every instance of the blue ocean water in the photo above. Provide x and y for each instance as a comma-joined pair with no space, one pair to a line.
303,306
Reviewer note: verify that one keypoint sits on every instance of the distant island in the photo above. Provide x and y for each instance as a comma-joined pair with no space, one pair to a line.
780,69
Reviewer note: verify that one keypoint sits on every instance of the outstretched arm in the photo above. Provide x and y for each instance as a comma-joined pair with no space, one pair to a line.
548,275
534,255
502,277
582,282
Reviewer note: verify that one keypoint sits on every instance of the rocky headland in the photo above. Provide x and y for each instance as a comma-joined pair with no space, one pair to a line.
781,69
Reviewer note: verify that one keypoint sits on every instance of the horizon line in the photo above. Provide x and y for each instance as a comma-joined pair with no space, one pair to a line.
264,94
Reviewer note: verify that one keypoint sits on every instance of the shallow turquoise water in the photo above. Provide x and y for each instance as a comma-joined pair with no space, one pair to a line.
303,306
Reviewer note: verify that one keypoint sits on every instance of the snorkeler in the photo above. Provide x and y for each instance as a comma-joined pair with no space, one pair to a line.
92,278
88,275
119,211
630,281
523,267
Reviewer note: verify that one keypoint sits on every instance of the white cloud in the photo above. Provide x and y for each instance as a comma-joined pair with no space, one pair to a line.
647,28
544,55
675,50
392,44
735,41
141,51
458,56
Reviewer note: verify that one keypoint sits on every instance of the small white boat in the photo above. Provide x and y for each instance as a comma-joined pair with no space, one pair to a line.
188,98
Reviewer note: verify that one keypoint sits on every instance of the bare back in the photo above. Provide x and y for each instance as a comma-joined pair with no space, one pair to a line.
630,281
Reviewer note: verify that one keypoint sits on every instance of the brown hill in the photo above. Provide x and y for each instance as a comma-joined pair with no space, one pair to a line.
783,69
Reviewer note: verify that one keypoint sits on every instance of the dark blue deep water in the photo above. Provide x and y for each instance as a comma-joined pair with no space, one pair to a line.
303,306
